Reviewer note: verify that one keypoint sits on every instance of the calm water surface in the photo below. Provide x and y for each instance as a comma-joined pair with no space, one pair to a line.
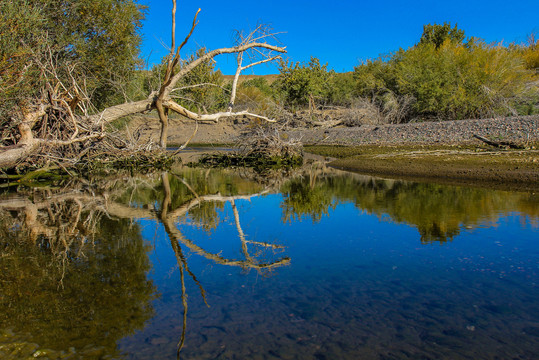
315,264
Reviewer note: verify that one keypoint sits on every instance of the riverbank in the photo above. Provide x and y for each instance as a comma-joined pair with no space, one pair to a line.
456,165
445,152
432,151
522,130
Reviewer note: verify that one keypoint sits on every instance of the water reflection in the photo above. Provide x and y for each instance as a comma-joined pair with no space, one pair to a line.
176,237
71,277
438,212
80,242
75,266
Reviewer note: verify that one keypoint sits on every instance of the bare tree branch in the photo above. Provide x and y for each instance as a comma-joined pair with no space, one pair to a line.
239,69
210,117
77,128
211,54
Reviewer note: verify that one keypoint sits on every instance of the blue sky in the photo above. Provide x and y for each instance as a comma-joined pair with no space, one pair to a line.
340,33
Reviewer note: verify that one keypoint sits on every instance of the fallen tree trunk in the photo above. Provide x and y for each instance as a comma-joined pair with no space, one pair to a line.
87,129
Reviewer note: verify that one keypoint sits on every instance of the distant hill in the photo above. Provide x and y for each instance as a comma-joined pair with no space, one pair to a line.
270,78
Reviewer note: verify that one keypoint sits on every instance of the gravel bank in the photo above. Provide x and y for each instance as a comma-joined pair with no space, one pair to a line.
519,130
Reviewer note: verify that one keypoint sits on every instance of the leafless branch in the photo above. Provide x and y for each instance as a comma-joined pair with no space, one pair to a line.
77,127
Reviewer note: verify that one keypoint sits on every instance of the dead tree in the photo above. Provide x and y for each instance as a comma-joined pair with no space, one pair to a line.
257,56
85,129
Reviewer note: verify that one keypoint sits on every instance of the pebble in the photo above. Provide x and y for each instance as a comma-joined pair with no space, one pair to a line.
520,130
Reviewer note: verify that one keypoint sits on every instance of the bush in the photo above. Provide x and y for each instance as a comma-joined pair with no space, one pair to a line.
449,79
530,53
437,35
362,111
457,82
341,89
89,45
260,83
253,99
298,83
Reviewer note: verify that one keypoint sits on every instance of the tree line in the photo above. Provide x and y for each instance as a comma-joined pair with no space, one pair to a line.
445,76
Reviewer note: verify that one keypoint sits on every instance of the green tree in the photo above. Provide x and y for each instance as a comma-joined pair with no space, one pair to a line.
297,82
375,77
18,75
445,78
92,42
456,82
437,34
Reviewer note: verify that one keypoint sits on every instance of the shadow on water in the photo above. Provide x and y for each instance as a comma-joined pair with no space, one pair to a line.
76,268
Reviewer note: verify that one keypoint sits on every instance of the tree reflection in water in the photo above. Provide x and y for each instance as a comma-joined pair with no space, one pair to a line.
74,259
74,264
438,212
167,219
71,276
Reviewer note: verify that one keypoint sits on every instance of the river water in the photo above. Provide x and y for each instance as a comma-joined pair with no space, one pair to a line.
227,264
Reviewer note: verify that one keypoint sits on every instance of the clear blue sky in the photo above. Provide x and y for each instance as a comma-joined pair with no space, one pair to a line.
340,33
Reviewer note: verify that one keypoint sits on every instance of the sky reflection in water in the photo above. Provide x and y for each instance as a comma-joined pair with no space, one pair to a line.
359,284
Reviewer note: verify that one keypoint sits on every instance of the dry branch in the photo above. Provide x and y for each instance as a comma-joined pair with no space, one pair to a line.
211,117
70,128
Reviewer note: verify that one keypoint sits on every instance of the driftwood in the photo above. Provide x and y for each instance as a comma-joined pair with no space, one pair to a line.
498,144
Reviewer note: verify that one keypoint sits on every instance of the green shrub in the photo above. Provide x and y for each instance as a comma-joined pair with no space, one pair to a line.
341,89
298,82
438,34
442,77
260,83
530,53
457,82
